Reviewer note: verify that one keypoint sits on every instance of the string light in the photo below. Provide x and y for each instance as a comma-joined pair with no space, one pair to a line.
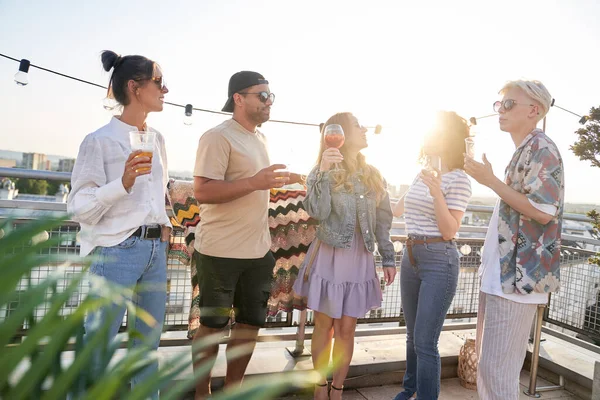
398,246
465,249
187,119
582,118
110,104
21,77
473,120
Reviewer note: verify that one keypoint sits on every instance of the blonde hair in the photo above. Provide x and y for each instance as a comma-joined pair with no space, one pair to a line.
372,177
535,90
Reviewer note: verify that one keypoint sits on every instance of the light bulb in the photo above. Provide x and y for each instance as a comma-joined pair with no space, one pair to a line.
398,246
465,249
187,119
21,77
40,237
109,104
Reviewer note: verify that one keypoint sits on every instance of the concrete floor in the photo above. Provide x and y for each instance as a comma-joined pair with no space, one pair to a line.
451,390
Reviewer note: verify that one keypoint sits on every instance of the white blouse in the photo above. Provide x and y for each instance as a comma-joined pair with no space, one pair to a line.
107,213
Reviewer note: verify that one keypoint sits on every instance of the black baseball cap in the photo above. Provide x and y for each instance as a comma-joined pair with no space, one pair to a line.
240,81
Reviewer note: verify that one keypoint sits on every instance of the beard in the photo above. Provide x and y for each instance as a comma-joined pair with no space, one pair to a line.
259,117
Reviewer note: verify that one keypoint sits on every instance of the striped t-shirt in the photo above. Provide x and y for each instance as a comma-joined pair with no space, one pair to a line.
418,203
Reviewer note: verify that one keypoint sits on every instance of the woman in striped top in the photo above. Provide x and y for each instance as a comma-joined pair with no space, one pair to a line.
433,208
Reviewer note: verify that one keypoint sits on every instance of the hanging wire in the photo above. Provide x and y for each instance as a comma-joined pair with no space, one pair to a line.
473,120
166,102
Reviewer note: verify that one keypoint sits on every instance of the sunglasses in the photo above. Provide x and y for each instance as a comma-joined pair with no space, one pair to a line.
263,96
508,105
158,81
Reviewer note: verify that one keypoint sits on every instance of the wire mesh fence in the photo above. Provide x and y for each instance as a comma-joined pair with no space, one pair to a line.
576,307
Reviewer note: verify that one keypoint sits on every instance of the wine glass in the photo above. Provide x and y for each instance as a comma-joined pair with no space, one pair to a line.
334,138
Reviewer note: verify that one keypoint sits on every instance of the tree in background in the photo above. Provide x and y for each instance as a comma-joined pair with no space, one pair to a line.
32,186
54,185
587,148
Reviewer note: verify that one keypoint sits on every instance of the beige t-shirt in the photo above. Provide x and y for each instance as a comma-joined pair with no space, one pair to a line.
239,228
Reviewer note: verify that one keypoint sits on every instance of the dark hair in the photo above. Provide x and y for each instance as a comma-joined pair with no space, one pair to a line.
451,131
125,69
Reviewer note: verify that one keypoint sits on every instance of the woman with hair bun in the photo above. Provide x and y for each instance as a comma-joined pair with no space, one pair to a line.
118,199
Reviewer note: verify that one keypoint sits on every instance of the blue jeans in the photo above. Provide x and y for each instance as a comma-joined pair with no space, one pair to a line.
426,289
133,262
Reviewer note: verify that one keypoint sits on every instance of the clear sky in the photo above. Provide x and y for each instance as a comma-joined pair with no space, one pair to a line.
390,62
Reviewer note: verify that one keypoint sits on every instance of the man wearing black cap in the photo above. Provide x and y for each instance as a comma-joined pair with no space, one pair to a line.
232,178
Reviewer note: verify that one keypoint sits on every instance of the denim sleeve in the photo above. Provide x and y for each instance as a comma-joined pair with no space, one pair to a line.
383,225
318,195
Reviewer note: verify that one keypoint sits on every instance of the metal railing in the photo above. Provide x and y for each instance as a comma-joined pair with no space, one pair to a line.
66,177
180,290
576,307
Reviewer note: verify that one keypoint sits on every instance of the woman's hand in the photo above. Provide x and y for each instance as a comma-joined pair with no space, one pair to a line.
135,166
389,273
433,182
330,156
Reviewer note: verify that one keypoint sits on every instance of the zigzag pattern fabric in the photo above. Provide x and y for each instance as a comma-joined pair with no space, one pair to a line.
292,231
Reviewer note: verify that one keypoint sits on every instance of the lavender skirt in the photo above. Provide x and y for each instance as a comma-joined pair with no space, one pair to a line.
341,281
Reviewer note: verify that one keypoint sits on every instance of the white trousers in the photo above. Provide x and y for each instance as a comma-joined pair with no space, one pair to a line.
503,328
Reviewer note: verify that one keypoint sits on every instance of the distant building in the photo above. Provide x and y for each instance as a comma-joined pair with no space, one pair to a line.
35,161
66,164
7,163
467,218
578,229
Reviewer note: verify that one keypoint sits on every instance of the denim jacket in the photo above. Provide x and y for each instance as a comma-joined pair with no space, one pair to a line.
338,210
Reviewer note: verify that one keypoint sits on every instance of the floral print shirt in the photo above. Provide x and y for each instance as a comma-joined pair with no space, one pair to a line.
530,251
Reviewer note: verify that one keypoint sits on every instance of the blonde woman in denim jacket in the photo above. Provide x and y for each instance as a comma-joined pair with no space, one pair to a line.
353,209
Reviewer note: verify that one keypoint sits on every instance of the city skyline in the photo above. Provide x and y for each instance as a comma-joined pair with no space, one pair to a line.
396,190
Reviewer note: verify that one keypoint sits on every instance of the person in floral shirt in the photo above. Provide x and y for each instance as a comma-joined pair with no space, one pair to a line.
520,263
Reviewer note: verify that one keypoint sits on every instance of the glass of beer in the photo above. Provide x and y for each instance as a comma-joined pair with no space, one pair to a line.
334,137
433,164
144,141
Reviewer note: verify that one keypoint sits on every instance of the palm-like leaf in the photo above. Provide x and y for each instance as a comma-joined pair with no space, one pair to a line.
34,368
